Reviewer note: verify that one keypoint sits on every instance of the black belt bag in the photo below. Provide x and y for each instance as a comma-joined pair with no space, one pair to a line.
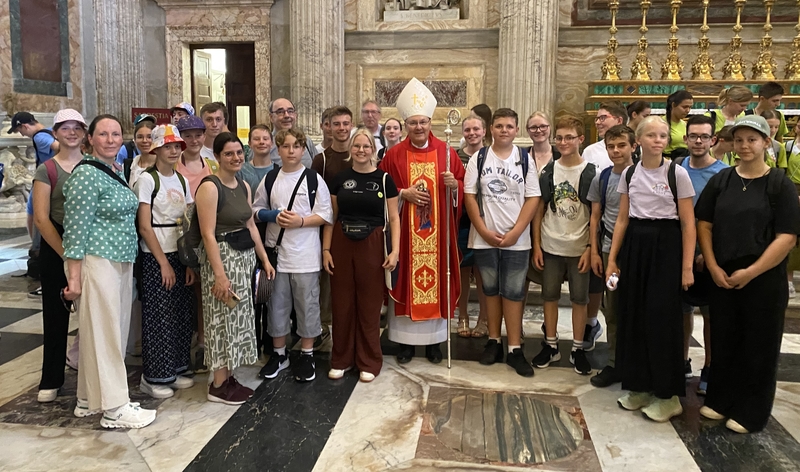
239,240
357,231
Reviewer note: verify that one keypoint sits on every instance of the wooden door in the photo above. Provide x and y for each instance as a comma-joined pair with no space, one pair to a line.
240,81
201,79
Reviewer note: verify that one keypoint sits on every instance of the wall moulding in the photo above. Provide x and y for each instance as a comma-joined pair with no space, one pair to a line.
435,39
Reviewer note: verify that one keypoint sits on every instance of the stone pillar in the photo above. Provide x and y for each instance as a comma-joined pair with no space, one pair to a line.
316,32
119,58
528,46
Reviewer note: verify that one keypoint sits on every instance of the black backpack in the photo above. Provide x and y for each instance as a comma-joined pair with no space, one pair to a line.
523,161
548,187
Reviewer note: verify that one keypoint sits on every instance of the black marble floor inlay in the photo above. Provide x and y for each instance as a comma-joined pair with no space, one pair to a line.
789,367
10,316
13,345
283,427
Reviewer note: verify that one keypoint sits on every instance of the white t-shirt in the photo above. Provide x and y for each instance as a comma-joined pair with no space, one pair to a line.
136,171
565,232
598,155
300,250
168,206
503,191
207,153
650,196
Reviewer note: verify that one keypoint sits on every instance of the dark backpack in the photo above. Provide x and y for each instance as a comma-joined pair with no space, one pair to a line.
523,161
548,187
673,185
36,148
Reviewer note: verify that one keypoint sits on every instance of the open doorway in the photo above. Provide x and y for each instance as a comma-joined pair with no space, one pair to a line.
226,73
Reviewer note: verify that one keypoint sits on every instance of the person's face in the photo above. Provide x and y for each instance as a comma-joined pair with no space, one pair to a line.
194,139
26,130
370,115
419,128
290,151
774,124
232,157
504,130
473,132
619,150
637,118
107,138
177,115
737,107
341,125
70,134
143,139
567,141
325,126
169,153
699,140
283,114
392,131
682,109
361,151
654,138
604,121
723,146
771,103
538,129
260,142
749,144
215,123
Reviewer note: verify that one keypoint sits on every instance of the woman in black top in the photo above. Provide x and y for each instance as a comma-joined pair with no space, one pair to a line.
749,219
360,197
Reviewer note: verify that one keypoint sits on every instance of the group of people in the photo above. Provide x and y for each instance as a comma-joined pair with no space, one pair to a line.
658,217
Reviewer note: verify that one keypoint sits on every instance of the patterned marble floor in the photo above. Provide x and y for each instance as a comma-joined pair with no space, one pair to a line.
416,417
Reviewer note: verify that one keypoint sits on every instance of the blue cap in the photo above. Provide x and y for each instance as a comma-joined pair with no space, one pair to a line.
190,122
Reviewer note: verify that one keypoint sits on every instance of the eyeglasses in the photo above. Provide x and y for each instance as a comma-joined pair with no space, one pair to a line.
601,118
538,129
702,137
370,112
414,124
284,111
68,304
566,139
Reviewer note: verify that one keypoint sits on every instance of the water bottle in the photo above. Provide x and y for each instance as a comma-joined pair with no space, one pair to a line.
611,283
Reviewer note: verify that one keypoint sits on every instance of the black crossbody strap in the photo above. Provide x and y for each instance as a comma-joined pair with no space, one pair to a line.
291,202
105,169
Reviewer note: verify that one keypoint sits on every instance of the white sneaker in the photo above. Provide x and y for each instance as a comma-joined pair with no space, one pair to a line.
82,409
47,395
127,416
792,291
181,382
155,390
366,377
336,374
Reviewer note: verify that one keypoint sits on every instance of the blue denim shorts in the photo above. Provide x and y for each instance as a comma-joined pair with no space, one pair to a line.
503,272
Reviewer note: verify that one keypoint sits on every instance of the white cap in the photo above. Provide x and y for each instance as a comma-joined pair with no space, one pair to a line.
416,99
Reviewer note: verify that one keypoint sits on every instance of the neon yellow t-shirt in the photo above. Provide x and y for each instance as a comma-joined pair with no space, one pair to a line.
676,133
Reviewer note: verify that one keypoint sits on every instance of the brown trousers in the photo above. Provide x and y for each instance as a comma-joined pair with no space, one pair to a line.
357,295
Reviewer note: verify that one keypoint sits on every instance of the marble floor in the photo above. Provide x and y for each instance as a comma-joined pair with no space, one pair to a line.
416,417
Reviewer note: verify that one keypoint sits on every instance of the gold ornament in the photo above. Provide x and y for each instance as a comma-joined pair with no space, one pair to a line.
793,66
764,67
640,70
611,66
703,66
673,66
735,66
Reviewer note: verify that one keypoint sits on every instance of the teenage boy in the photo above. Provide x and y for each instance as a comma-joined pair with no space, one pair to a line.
722,148
620,143
325,127
283,115
44,143
260,141
561,242
701,166
501,194
769,98
181,110
299,254
215,117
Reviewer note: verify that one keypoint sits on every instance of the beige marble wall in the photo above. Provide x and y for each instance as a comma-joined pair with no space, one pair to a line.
367,15
10,101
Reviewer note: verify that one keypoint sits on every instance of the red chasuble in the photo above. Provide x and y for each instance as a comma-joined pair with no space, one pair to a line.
420,292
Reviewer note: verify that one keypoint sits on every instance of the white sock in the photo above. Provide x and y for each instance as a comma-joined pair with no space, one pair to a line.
307,352
576,344
281,351
552,342
592,321
511,348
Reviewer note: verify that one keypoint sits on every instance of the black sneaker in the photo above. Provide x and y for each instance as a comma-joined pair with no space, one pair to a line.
547,355
275,364
607,376
590,336
304,369
492,352
516,359
687,369
578,359
702,387
320,340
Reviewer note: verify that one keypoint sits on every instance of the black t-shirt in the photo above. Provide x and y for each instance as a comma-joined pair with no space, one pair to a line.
360,196
744,223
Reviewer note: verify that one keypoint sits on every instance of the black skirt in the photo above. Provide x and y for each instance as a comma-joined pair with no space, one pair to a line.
650,319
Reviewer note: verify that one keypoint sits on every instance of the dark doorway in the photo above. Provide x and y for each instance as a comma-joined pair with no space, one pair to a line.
235,86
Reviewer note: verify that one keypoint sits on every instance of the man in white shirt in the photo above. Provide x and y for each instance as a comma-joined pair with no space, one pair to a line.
371,119
609,115
215,117
283,115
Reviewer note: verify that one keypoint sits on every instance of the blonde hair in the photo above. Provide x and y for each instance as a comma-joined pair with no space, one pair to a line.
540,114
736,93
473,116
362,131
652,119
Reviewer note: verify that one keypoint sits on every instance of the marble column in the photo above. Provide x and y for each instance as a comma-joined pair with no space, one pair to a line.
119,58
527,65
316,34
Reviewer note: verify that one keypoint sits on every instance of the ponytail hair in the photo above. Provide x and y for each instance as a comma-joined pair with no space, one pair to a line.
674,99
736,93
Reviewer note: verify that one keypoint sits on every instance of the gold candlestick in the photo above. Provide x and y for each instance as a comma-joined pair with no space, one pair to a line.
673,66
765,66
735,66
640,70
703,66
793,66
611,66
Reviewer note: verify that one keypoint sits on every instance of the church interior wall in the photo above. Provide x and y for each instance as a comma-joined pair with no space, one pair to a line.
155,50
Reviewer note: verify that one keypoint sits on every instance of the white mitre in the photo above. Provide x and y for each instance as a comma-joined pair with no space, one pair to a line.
415,99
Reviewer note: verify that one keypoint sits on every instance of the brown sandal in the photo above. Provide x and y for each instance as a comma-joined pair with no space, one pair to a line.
480,330
463,328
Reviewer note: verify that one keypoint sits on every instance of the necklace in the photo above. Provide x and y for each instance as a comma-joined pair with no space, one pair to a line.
744,185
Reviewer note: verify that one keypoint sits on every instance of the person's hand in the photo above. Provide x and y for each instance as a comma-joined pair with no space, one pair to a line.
687,278
391,261
167,276
740,278
584,263
267,266
191,277
417,197
509,239
327,262
220,288
492,238
538,258
450,180
612,269
719,277
597,265
699,263
73,290
289,219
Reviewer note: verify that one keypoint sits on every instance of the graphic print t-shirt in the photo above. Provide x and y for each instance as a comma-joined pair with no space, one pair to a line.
565,232
168,206
360,197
